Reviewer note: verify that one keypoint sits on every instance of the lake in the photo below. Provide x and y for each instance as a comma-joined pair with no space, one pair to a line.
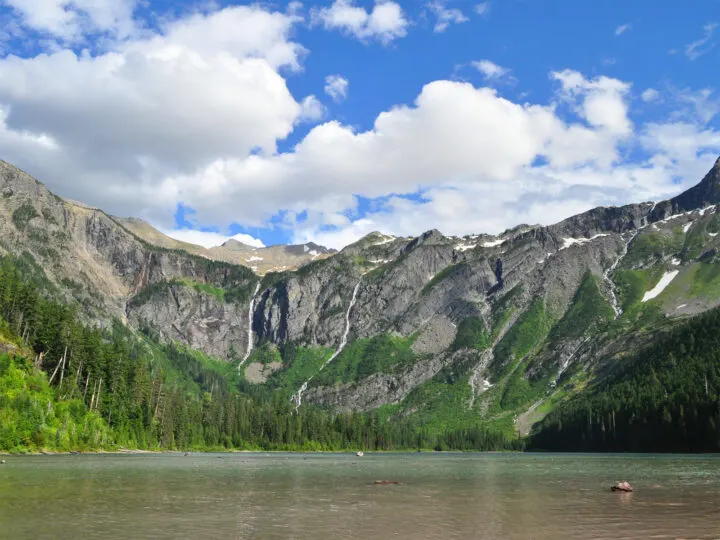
332,496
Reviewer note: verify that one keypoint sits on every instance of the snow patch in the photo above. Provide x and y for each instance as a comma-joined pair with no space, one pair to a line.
681,306
662,284
567,242
385,240
687,226
675,262
713,234
253,259
379,261
465,247
710,208
493,243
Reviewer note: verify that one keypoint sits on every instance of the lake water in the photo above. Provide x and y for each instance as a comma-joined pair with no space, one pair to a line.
332,496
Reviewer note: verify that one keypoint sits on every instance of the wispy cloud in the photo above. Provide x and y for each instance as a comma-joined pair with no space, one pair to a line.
650,95
702,46
483,8
620,30
491,71
445,16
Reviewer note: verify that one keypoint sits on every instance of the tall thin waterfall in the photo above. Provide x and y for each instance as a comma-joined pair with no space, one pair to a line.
251,335
297,397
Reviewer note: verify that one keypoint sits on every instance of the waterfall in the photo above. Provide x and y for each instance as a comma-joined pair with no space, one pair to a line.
566,364
611,284
297,397
251,336
606,276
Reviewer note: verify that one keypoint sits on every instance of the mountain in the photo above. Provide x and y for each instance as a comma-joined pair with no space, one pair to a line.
260,260
447,332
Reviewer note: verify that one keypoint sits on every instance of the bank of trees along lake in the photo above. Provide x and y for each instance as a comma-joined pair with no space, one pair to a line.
71,386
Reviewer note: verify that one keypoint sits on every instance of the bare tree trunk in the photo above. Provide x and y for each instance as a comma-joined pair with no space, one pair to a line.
77,378
97,400
55,372
62,370
92,399
87,381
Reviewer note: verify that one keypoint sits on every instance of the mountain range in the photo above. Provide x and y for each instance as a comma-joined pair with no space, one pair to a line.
452,332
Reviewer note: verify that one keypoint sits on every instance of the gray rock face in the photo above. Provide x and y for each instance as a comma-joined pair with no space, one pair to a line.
423,287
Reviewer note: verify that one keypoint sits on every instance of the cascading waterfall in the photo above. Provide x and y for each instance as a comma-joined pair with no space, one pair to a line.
251,335
606,276
297,397
566,363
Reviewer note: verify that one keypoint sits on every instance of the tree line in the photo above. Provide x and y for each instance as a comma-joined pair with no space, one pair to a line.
162,396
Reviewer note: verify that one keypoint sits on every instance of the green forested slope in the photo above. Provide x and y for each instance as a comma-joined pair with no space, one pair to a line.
666,398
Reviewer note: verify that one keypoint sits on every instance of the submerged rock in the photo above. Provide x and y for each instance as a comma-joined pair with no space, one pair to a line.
622,486
386,483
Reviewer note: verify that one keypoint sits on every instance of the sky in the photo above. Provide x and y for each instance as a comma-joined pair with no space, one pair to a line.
288,122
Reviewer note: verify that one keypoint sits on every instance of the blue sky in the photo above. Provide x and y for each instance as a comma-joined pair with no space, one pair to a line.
323,121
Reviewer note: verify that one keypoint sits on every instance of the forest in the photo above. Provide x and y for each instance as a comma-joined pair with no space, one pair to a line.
665,398
67,385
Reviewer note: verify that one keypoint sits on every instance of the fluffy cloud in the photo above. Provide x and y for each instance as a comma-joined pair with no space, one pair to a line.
207,87
445,16
192,115
70,20
210,239
336,86
385,22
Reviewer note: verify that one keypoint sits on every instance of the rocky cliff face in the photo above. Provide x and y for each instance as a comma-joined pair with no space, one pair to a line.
447,329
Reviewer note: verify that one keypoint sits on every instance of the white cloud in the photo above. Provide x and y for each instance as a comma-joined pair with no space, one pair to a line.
192,115
697,48
210,239
620,30
312,110
206,88
703,105
385,22
490,70
483,8
445,16
336,86
650,95
71,20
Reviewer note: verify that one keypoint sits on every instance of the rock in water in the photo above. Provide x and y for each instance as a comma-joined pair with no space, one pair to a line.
622,486
360,453
386,483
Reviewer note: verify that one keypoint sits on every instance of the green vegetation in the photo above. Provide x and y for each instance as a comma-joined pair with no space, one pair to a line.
633,284
363,357
655,245
471,334
239,293
123,389
664,399
23,214
33,416
504,309
529,331
589,309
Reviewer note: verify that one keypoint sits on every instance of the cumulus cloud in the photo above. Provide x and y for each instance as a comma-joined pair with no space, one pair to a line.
71,20
445,16
206,87
701,46
336,86
620,30
210,239
192,115
385,22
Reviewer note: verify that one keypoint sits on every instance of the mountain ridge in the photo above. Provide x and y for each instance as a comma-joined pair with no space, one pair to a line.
455,331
